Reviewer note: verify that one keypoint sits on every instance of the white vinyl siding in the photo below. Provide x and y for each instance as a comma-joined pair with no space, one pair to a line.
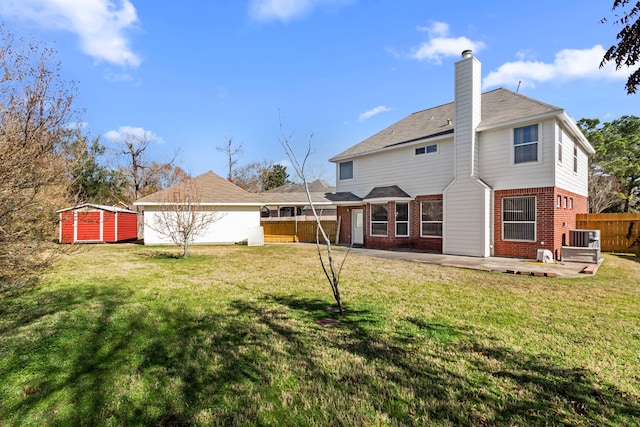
423,174
565,177
379,219
496,159
519,218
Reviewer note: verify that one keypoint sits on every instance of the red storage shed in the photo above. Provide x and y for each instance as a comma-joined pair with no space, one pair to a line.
90,223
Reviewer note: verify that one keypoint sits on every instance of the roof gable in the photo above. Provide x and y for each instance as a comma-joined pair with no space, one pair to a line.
498,106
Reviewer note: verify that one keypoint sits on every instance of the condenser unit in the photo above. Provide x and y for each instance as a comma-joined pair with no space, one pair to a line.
584,238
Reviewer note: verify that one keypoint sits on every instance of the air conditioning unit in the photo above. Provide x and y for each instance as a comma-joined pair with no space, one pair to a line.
584,238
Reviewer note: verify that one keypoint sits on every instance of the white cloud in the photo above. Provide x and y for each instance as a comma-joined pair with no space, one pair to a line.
569,64
286,10
100,24
441,44
123,131
374,111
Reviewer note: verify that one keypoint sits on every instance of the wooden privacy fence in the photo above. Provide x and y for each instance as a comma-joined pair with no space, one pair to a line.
301,230
619,232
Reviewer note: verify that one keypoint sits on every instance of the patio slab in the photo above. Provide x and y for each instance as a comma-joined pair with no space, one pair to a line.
516,266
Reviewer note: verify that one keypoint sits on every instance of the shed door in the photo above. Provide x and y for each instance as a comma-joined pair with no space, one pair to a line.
88,226
357,227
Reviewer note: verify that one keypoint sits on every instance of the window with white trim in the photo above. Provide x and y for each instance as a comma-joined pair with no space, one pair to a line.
402,219
346,170
575,159
525,142
431,218
519,218
559,202
429,149
560,145
379,219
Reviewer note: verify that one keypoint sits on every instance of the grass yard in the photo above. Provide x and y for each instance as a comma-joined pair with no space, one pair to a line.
134,335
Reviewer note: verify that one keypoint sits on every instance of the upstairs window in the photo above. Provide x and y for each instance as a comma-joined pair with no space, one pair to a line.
346,170
431,218
525,141
402,219
379,220
559,145
429,149
575,159
519,218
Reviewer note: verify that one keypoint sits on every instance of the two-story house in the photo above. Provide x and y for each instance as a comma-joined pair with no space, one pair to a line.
490,174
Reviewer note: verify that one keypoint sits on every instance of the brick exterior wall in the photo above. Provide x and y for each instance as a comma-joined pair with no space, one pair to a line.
391,241
344,213
552,222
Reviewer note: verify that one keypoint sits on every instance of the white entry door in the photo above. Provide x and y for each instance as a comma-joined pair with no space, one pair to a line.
357,226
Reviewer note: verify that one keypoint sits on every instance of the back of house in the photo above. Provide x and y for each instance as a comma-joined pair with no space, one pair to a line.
490,174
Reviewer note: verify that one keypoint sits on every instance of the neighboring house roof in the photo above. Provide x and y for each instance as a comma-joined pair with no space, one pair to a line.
499,107
99,207
295,194
212,189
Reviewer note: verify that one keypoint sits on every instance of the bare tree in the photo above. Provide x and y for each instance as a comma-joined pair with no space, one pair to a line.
182,217
232,154
329,267
604,192
35,111
250,176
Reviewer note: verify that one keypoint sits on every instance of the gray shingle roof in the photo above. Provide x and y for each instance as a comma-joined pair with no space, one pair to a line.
498,106
389,192
213,189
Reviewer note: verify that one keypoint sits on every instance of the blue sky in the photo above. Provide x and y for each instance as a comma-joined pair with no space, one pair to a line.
193,73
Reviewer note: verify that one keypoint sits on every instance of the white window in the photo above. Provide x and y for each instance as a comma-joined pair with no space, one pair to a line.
429,149
575,159
346,170
559,202
519,218
379,220
525,141
571,203
431,218
565,202
559,145
402,219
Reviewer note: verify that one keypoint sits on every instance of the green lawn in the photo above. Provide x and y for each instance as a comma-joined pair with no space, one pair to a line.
134,335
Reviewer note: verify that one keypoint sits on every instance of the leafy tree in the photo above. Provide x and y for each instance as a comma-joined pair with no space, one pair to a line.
274,177
35,110
617,145
627,51
92,181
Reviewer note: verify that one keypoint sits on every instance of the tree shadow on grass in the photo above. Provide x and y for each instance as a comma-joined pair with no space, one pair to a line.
628,257
501,385
97,356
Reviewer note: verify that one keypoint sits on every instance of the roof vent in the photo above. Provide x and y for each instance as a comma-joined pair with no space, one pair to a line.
467,53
